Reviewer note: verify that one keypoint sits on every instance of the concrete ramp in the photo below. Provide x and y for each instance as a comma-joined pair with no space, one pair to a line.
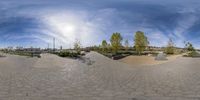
52,61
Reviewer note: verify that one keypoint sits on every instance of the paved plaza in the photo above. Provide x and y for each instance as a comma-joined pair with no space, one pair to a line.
95,77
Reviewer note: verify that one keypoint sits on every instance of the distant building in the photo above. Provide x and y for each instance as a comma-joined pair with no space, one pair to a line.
10,48
19,48
31,49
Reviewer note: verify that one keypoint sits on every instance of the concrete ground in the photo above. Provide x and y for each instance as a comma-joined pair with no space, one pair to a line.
146,60
98,78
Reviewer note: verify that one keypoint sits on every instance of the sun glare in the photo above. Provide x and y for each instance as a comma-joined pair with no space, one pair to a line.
63,26
67,27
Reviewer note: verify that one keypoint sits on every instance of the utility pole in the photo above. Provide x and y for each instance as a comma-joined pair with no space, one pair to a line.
54,44
48,47
61,47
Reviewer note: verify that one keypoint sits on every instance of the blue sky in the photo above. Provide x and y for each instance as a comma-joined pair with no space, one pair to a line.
35,22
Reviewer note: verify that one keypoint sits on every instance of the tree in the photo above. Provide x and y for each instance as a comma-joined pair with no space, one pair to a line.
115,41
77,46
170,47
126,44
109,47
141,42
104,45
189,47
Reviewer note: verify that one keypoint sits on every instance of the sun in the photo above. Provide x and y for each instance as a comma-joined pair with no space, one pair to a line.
65,28
69,28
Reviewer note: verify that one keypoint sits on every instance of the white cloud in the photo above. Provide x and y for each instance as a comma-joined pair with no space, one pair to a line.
68,26
156,37
183,25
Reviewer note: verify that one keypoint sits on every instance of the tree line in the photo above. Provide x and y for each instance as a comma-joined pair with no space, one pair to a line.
141,43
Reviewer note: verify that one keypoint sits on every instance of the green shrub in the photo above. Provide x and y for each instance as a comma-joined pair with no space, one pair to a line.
68,54
24,53
170,47
192,54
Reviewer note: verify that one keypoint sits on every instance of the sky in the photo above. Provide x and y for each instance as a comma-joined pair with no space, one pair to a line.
36,22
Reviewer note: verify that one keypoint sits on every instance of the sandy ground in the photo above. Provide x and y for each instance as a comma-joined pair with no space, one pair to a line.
50,60
146,60
96,77
46,61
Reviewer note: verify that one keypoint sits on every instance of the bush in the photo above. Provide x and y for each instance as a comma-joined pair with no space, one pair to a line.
25,53
68,54
192,54
170,47
169,50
